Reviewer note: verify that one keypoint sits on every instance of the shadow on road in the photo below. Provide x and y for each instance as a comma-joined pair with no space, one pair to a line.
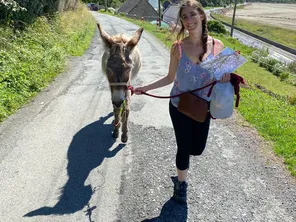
170,212
89,147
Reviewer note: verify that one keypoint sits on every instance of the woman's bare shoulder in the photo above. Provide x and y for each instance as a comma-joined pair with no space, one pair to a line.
219,46
218,42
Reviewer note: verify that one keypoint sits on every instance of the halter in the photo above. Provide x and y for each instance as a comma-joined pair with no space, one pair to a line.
122,107
119,84
127,84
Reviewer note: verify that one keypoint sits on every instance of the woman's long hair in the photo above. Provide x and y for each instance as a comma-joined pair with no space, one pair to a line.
204,36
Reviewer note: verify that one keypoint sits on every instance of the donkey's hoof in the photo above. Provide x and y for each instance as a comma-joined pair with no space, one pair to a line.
124,138
115,134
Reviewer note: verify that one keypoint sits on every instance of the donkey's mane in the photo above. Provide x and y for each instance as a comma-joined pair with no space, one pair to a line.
120,38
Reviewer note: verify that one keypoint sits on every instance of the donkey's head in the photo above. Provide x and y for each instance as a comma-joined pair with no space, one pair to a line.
118,63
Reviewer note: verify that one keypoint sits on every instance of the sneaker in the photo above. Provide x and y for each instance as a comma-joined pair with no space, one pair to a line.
180,192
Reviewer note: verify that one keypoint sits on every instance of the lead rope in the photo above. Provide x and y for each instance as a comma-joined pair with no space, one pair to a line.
177,95
236,80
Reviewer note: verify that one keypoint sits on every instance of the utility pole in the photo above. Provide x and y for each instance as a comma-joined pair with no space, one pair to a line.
106,5
159,14
233,18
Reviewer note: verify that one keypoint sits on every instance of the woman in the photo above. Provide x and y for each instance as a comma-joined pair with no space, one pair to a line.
185,71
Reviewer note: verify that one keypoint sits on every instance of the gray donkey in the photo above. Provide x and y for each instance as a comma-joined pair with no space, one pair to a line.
121,62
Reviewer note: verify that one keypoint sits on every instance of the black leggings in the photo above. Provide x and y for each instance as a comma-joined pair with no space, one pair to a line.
191,136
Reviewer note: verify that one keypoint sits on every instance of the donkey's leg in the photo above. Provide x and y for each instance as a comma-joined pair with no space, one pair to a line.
124,119
124,135
116,113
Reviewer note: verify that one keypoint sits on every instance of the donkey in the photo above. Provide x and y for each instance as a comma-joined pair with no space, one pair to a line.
121,62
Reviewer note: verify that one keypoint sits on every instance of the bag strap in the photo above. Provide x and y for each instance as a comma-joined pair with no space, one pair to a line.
179,48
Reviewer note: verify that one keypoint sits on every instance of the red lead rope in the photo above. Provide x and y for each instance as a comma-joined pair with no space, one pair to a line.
235,80
168,97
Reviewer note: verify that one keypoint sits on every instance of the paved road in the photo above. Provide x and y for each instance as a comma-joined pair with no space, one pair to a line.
277,53
59,163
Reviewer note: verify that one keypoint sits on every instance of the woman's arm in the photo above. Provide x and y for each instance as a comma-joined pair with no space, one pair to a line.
169,78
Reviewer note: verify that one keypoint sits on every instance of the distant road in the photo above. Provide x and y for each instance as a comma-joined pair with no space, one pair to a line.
274,52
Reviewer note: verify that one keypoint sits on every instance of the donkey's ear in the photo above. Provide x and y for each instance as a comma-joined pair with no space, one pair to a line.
135,39
105,37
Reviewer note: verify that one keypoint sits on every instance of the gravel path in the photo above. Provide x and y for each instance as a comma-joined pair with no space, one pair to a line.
236,179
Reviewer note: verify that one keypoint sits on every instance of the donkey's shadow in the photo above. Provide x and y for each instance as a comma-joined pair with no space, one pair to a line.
87,151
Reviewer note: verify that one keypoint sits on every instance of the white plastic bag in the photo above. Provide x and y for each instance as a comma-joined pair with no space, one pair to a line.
222,100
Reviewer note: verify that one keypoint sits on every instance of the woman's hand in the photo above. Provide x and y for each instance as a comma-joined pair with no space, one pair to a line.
140,90
225,78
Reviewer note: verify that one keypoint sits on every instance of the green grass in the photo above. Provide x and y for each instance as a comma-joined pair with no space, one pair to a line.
256,74
273,117
31,59
283,36
275,120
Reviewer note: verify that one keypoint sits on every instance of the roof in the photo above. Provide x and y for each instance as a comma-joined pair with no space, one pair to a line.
128,5
171,13
154,4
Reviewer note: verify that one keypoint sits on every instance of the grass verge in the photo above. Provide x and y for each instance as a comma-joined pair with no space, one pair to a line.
31,59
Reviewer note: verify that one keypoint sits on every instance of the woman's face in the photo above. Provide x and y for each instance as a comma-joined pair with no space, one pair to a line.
191,18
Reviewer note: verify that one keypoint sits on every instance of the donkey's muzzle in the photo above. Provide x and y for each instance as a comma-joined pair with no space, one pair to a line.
117,104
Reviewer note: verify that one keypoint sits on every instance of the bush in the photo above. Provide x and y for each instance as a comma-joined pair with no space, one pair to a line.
263,62
233,40
292,100
8,9
284,76
268,63
278,69
19,13
292,67
271,63
216,26
111,10
255,56
259,53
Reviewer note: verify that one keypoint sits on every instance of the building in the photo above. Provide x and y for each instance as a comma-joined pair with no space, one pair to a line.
170,14
139,9
154,4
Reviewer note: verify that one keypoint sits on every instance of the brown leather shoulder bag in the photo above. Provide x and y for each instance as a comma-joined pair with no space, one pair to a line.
194,107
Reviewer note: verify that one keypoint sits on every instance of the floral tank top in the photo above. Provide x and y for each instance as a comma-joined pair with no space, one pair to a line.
191,76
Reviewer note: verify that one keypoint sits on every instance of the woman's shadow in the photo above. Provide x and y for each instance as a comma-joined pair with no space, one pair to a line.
87,151
171,212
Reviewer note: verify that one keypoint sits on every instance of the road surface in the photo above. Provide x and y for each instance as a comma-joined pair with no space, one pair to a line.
59,162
